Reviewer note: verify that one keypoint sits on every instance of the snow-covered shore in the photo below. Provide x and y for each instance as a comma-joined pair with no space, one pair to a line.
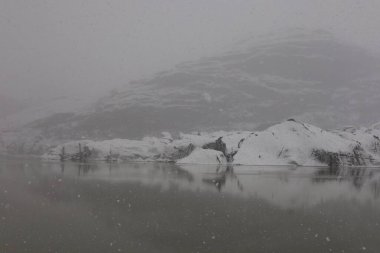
290,142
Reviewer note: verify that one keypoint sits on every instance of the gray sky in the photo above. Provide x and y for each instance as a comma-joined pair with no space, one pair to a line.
52,47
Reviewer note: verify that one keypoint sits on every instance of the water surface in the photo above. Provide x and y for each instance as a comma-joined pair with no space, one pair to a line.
147,207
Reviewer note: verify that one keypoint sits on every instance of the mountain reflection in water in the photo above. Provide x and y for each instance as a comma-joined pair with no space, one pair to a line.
163,207
281,185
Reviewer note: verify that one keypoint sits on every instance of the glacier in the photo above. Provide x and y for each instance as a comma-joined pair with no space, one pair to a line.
287,143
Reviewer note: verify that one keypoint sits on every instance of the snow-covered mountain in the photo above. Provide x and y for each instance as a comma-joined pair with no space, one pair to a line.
312,77
288,143
309,76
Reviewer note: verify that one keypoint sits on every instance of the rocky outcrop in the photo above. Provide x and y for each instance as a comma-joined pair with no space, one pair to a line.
219,145
338,159
181,152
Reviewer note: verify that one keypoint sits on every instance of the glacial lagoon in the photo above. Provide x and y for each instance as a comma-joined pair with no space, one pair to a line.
162,207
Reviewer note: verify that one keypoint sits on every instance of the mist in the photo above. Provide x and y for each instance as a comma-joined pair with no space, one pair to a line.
85,48
189,126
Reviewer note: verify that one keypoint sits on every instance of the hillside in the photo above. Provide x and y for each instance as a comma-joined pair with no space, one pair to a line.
309,76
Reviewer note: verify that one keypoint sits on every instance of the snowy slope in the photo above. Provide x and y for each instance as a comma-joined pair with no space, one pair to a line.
307,75
287,143
290,142
204,156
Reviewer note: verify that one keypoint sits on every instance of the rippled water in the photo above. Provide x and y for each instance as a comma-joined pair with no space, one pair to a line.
147,207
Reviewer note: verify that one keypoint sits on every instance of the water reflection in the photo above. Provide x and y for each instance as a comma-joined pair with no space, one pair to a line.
221,176
359,177
158,207
283,186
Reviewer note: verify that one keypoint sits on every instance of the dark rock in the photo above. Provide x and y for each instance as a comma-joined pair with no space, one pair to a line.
219,145
330,158
182,152
83,154
338,159
111,157
241,142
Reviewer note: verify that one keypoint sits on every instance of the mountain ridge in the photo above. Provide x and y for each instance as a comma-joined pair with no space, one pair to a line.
309,76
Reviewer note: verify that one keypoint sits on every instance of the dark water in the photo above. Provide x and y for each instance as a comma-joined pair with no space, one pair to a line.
54,207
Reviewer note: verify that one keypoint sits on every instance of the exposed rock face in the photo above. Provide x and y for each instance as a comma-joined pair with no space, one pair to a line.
83,154
334,159
182,152
219,145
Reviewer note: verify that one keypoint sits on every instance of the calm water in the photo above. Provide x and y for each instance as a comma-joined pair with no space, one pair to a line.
144,207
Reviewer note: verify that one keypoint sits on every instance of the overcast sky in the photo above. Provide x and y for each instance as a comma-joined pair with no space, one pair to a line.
52,47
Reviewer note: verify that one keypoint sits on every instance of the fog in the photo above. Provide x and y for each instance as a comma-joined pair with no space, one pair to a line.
88,47
151,125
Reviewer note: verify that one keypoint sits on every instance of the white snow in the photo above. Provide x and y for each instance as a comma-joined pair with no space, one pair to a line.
204,156
290,142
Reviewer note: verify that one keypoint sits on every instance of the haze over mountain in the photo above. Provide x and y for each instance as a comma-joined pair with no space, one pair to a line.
308,75
9,106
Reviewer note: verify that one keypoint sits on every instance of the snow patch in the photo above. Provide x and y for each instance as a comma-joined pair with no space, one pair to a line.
204,156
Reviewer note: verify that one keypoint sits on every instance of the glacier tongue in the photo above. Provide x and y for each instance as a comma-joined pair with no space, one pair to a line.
290,142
